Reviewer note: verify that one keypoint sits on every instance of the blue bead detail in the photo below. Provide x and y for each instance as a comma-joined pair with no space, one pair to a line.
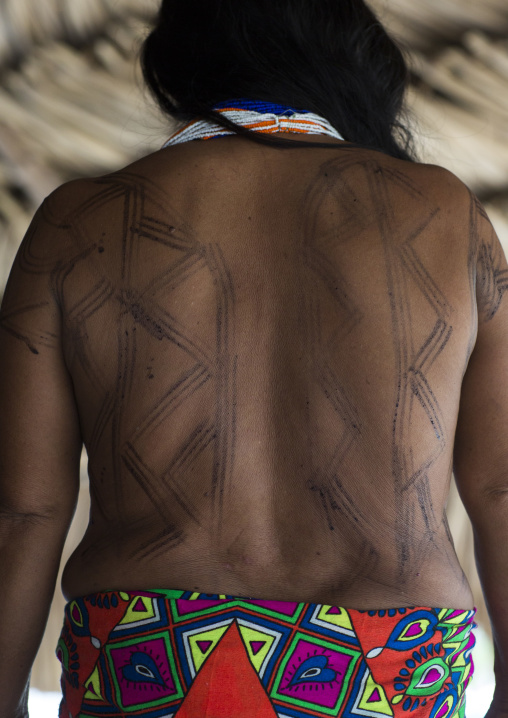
415,704
437,647
106,602
382,614
257,106
392,612
410,664
404,672
423,651
407,704
93,600
431,649
372,613
114,601
399,686
417,656
99,601
402,611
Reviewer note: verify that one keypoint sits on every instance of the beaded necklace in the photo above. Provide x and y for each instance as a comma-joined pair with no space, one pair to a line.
257,116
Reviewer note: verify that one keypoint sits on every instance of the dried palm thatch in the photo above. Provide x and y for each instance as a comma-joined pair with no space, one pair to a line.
24,23
71,104
68,111
430,24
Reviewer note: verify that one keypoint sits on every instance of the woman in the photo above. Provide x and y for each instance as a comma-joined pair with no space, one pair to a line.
274,337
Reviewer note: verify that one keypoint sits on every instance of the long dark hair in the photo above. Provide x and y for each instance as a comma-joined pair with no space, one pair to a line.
331,57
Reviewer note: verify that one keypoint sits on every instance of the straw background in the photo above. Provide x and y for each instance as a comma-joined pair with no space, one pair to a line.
72,104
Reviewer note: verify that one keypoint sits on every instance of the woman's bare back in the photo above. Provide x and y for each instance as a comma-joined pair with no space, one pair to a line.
267,348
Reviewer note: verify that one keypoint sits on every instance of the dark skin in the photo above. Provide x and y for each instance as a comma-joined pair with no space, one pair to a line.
273,358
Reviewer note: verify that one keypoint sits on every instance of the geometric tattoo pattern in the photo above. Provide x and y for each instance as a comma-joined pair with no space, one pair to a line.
413,294
202,368
414,358
160,455
145,319
491,272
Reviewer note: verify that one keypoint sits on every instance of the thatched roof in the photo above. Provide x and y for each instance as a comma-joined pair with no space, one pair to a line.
71,100
72,103
24,23
430,24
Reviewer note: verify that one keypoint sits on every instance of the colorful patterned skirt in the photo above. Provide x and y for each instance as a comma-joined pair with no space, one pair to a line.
165,654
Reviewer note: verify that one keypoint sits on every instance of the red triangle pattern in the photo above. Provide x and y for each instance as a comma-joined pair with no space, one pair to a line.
227,686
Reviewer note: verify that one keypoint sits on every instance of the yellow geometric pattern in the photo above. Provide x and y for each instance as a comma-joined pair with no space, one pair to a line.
198,644
339,617
93,686
257,644
381,706
459,618
139,609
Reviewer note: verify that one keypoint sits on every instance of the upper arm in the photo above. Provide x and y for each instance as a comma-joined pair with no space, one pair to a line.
481,445
40,441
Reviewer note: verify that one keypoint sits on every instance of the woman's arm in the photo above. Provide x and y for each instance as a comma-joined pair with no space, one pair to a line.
40,446
481,446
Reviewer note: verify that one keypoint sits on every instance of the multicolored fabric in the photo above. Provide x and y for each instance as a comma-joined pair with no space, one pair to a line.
172,654
276,118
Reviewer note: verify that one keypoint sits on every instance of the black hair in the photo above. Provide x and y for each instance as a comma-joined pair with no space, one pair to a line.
330,57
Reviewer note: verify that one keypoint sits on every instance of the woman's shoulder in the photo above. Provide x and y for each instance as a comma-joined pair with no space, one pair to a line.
434,188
